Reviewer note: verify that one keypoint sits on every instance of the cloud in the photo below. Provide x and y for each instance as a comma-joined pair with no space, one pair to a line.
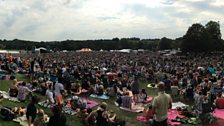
108,18
44,20
167,2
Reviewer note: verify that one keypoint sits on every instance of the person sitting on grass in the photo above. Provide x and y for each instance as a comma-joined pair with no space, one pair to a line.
102,116
100,90
50,95
76,87
13,90
85,84
78,103
23,92
58,119
40,118
126,101
219,101
148,113
142,96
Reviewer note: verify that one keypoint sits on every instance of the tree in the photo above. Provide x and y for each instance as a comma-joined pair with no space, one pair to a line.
197,39
213,29
2,46
115,39
165,43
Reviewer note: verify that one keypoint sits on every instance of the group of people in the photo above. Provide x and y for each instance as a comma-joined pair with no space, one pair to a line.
36,117
197,77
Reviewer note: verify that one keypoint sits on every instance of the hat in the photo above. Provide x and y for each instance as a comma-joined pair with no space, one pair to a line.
161,86
75,98
103,106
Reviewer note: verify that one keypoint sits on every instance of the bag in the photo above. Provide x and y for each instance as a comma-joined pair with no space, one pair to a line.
7,114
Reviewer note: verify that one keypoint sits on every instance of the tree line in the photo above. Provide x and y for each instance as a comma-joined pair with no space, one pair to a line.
198,38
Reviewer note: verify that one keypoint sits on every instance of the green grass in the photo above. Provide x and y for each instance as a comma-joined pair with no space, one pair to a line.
129,117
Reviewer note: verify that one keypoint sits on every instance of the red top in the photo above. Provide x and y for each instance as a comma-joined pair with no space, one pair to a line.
220,103
148,114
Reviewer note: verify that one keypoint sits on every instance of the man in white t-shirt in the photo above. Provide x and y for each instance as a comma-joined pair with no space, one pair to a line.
58,91
160,106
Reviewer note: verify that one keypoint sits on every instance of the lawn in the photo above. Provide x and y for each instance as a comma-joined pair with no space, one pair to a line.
129,117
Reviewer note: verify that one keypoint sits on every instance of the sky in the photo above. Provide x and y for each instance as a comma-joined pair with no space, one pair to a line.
56,20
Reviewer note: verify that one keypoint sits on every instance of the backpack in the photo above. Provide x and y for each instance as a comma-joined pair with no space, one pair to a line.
7,114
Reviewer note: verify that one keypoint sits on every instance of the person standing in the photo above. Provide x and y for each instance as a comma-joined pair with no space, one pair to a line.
135,89
58,91
31,111
160,106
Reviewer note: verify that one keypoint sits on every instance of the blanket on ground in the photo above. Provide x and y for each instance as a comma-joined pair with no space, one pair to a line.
6,96
105,97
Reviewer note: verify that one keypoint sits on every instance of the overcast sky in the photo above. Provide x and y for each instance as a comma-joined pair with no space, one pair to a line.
47,20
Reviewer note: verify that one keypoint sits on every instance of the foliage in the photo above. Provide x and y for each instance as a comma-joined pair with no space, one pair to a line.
213,29
165,43
105,44
198,38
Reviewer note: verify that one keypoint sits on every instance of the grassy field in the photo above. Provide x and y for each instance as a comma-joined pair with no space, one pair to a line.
129,117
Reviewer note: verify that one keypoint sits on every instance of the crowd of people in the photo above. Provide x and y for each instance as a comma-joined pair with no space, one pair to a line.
196,77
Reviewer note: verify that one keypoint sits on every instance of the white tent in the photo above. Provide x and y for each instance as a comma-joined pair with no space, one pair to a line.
125,50
14,52
3,51
41,48
85,50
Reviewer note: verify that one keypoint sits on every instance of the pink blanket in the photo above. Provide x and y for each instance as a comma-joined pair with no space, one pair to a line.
172,114
149,99
219,113
142,118
90,104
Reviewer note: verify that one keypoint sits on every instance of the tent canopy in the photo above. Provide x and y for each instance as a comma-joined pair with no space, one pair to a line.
85,50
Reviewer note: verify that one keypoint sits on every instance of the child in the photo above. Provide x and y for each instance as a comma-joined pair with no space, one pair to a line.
78,103
40,119
148,113
143,96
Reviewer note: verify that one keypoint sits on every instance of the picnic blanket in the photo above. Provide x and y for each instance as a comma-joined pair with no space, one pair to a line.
149,99
22,120
150,86
90,103
6,96
172,114
142,118
219,113
178,104
105,97
65,109
135,108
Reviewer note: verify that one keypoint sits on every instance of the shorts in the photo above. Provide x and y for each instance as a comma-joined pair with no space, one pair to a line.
59,99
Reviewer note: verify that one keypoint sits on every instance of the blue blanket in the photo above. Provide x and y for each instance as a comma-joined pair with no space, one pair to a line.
99,96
